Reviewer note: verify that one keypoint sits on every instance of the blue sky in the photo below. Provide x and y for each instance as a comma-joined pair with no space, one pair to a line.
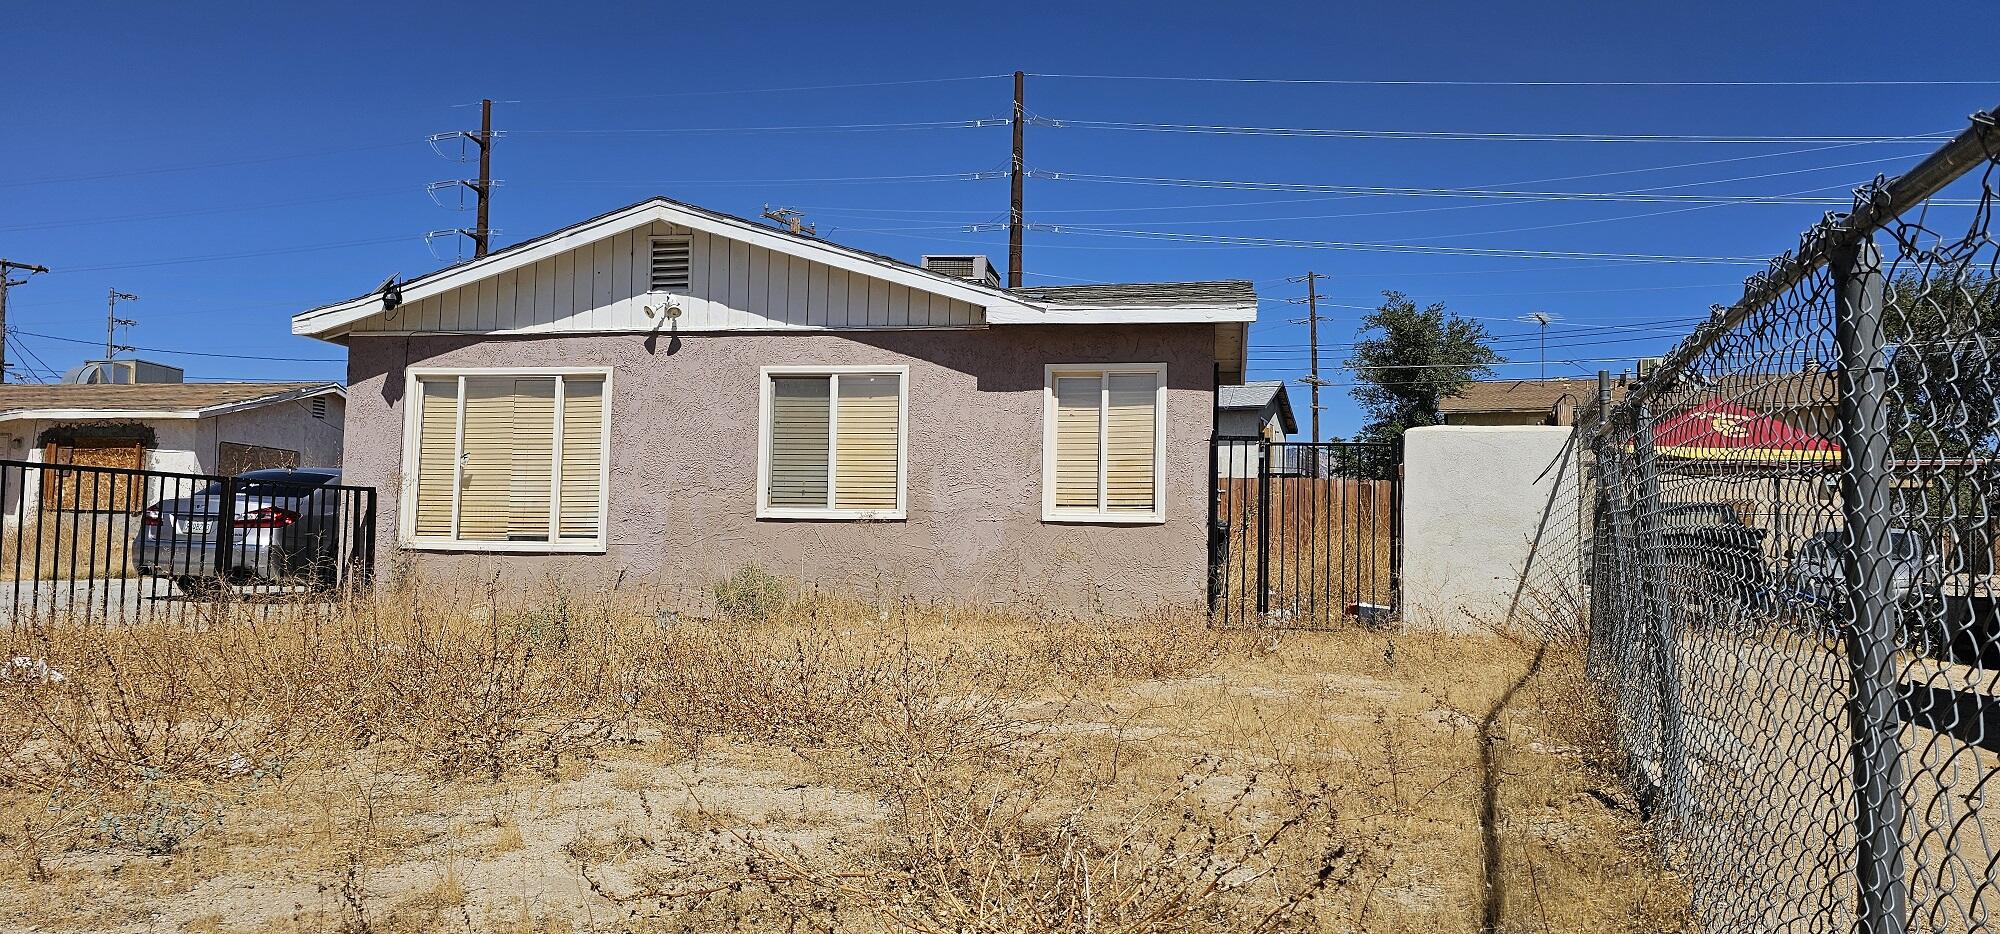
235,163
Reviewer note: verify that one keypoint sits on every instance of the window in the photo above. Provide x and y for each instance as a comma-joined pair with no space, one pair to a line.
670,264
832,443
506,460
1103,442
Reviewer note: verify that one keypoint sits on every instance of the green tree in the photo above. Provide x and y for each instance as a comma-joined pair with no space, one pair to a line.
1408,359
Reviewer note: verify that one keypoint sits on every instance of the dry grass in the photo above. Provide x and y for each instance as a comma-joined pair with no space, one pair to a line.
65,545
427,763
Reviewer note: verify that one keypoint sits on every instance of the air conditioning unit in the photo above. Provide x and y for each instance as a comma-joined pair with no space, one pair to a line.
970,267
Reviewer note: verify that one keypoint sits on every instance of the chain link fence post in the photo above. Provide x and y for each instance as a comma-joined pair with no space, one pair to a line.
1662,619
1867,564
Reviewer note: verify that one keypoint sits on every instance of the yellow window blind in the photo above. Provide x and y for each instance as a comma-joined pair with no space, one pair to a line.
866,443
437,455
497,437
582,458
1129,424
799,440
1078,403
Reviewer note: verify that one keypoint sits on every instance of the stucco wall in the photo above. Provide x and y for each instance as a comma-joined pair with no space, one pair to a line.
684,462
1474,500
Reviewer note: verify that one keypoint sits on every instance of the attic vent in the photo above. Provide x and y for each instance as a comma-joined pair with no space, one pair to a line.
319,407
971,267
670,264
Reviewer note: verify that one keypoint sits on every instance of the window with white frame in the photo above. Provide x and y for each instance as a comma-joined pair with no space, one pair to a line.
500,460
832,443
1103,442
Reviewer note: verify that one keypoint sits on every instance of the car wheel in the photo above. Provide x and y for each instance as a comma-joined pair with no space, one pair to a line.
201,588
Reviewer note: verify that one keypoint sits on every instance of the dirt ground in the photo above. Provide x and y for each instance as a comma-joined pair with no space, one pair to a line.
849,770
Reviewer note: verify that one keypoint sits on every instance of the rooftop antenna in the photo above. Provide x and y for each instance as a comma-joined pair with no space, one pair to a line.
1543,318
112,322
791,218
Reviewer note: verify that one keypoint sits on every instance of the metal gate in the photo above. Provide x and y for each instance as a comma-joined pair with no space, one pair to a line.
1303,535
116,544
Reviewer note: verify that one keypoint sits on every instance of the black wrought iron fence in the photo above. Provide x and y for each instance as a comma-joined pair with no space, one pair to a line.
1304,535
114,544
1786,572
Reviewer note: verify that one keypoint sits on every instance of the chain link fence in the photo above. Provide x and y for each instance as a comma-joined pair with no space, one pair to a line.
1784,571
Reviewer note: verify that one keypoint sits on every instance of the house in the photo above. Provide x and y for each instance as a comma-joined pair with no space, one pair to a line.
667,393
203,428
1519,402
1259,409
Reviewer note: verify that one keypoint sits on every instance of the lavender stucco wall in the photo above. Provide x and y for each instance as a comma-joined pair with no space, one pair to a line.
684,465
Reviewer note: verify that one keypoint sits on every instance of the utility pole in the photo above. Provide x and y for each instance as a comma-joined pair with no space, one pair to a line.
481,233
112,322
1311,279
1016,219
7,281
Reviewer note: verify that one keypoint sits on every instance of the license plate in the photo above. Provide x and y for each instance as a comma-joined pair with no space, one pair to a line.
196,527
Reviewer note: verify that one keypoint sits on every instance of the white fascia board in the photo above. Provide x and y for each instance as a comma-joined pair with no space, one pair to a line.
291,395
75,415
332,320
1058,314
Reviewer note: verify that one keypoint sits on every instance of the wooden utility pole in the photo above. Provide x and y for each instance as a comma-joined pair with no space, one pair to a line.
7,281
481,232
1015,217
1311,279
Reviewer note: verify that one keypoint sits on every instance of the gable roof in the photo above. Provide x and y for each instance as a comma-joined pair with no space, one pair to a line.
1257,394
147,400
1001,306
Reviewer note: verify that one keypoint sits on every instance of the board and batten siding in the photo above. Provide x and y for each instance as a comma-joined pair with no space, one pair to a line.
732,286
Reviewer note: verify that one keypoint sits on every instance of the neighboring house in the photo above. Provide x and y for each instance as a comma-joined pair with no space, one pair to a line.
213,428
1259,409
1519,402
669,394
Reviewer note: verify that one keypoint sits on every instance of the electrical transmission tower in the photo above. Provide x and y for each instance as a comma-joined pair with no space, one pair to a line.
481,232
112,322
7,281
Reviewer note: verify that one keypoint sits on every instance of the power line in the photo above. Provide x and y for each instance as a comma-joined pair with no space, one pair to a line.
1234,240
217,257
1386,191
1930,139
741,182
804,128
775,90
1391,82
161,215
193,166
197,353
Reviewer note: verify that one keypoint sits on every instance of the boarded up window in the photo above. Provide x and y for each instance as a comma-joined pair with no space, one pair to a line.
834,445
89,490
1104,441
510,459
232,458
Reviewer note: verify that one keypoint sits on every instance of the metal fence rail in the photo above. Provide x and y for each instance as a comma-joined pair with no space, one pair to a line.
1786,546
110,544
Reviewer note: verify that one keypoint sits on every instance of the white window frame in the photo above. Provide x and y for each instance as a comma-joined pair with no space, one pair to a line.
1101,515
767,511
412,448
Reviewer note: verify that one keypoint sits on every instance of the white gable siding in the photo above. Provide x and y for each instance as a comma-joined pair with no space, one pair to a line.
732,286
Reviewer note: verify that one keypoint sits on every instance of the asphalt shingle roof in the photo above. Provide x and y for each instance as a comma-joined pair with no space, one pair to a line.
1148,294
175,397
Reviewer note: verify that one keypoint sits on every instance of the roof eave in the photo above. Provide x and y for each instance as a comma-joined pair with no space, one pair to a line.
1133,314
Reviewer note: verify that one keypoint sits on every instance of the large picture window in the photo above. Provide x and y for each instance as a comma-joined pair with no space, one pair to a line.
1103,442
506,460
831,444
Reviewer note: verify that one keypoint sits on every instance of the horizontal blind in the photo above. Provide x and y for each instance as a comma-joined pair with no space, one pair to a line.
531,473
437,454
799,441
866,442
1129,442
582,457
485,480
1077,404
